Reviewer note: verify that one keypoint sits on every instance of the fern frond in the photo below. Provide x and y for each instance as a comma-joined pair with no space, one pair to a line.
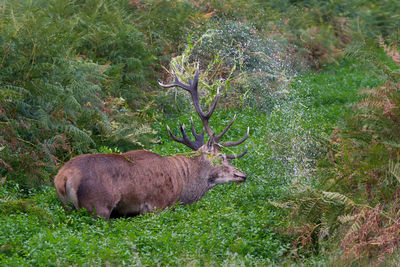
353,228
43,119
394,169
346,218
75,132
324,231
283,205
17,89
338,198
72,103
310,209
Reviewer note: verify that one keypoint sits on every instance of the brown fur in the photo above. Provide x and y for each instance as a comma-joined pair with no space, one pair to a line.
141,181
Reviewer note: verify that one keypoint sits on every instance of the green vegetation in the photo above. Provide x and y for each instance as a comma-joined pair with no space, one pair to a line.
316,81
352,198
70,79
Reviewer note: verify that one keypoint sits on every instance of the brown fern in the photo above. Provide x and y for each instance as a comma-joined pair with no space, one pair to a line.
390,50
372,235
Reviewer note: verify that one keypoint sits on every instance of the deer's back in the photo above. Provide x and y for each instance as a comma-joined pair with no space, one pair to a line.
132,182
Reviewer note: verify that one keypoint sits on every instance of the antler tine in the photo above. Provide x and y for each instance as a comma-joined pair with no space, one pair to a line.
214,104
174,137
204,117
199,138
195,134
226,129
229,144
184,135
177,83
186,141
237,156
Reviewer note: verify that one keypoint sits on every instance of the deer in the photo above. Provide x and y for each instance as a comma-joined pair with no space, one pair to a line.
139,181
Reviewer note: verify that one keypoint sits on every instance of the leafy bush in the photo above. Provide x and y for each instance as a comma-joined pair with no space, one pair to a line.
166,24
249,69
69,79
262,67
320,30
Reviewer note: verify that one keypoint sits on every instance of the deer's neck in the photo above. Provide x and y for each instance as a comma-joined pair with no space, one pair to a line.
193,171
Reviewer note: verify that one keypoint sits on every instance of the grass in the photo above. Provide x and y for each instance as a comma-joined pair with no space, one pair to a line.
232,224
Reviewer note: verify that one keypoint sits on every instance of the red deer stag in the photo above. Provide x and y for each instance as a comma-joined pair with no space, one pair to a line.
141,181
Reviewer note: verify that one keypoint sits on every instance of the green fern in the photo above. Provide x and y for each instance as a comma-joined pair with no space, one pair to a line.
327,210
335,198
61,62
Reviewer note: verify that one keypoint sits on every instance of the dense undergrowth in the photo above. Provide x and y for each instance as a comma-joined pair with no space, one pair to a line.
351,201
316,81
232,224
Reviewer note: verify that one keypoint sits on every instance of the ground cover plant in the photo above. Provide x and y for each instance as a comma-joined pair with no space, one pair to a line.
232,224
316,81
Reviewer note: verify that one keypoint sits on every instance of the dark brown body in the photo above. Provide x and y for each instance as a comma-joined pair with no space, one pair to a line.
136,182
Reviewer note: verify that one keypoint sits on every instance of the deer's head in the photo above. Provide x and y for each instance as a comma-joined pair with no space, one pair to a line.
220,169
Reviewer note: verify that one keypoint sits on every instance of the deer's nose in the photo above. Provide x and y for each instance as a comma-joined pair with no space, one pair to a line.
241,175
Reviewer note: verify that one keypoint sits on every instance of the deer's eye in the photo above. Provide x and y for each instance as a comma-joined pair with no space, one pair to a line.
212,178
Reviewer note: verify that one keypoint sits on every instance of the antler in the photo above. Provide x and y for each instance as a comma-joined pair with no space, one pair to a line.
186,141
192,89
237,156
229,144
